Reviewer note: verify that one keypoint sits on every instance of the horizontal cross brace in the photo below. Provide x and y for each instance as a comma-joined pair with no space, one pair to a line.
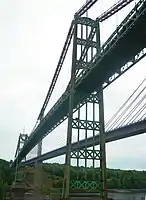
84,184
86,154
85,124
87,43
86,21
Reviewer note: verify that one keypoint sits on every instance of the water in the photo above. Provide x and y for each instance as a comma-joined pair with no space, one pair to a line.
127,196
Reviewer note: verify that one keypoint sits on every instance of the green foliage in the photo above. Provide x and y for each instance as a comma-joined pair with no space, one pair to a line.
6,178
117,179
5,172
54,174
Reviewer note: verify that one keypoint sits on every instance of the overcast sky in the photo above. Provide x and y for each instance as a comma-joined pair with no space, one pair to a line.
32,34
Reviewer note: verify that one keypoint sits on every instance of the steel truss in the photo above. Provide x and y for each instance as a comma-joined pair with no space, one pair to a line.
83,45
115,8
84,68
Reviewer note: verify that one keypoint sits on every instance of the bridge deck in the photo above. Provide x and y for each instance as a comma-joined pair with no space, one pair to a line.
121,49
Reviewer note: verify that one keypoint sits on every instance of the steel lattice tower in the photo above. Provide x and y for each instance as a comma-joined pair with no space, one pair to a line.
85,43
22,139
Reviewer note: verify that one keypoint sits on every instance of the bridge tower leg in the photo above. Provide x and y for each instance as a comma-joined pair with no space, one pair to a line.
86,43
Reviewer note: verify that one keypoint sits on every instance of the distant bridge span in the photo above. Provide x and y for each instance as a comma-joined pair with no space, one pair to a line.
117,134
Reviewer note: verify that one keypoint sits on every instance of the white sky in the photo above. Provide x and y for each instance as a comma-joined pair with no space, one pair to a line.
32,33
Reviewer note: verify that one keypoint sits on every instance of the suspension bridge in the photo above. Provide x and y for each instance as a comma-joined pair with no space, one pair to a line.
94,68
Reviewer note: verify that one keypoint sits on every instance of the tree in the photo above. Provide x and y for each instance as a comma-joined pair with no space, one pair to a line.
53,175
